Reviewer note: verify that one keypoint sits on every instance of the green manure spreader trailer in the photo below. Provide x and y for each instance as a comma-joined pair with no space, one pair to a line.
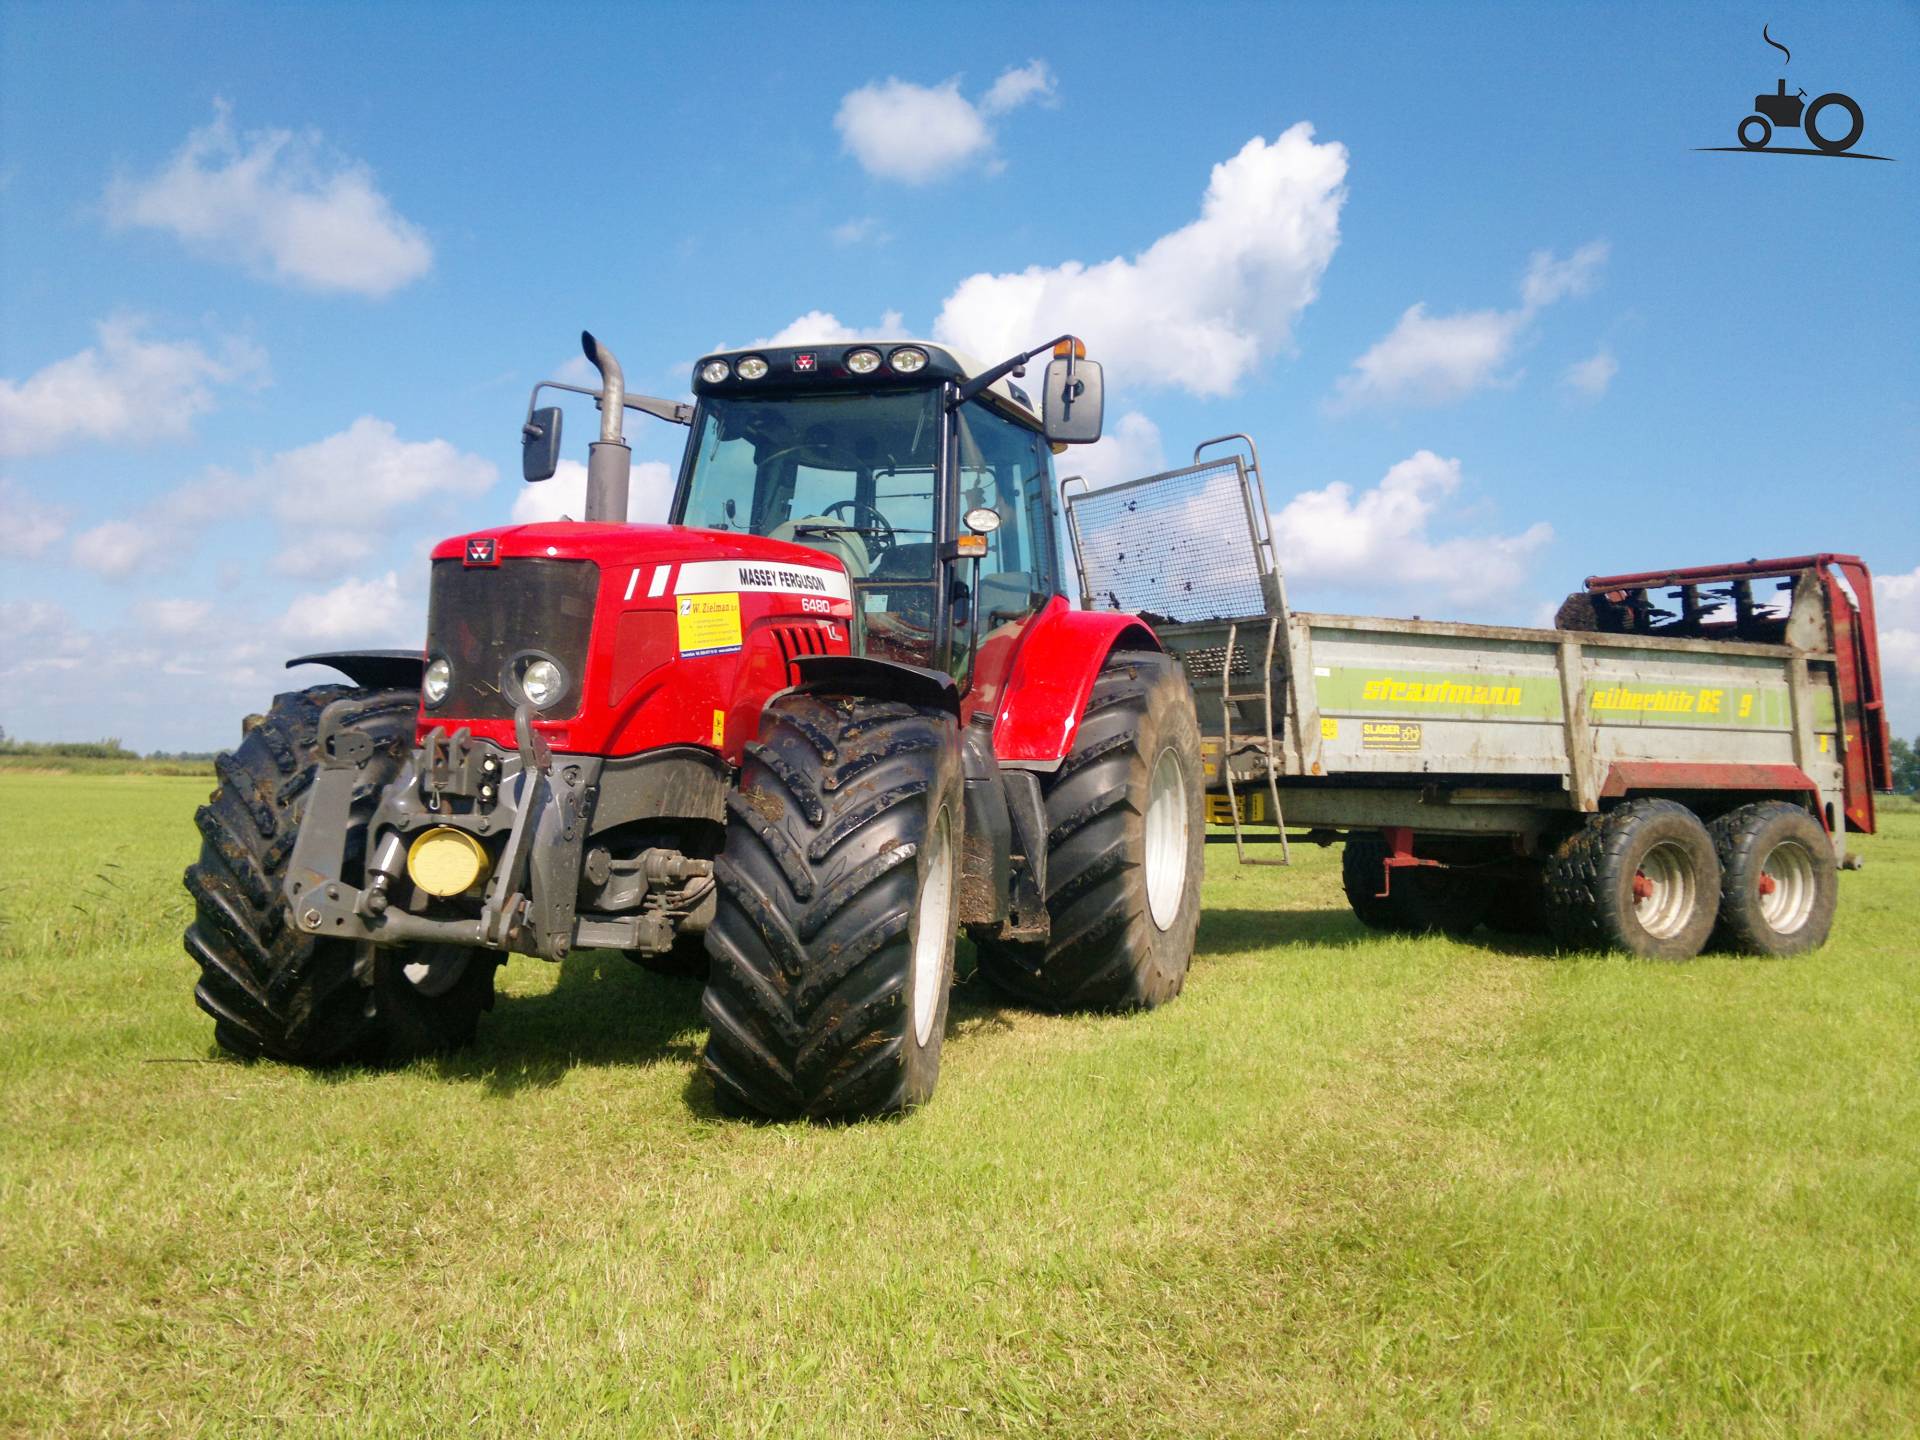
1677,763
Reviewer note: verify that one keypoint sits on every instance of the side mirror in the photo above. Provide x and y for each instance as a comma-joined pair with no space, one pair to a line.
1071,402
540,445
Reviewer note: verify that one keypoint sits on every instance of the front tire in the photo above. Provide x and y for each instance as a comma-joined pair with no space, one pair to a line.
832,944
1779,886
1126,849
273,991
1642,878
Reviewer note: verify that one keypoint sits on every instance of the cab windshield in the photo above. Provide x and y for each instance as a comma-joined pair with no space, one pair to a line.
849,475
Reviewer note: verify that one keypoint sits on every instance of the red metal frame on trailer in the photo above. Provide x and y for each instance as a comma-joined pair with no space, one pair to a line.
1866,743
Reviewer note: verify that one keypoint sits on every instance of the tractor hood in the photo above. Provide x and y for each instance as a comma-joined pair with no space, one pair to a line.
660,634
611,545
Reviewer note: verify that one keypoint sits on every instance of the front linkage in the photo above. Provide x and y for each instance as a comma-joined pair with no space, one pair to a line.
454,787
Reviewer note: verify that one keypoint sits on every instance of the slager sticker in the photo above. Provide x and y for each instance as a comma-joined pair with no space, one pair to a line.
709,624
1389,735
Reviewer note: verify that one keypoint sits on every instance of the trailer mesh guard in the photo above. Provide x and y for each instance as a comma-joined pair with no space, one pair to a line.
1178,546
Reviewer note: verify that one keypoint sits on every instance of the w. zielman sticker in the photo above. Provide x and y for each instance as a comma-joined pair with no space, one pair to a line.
709,624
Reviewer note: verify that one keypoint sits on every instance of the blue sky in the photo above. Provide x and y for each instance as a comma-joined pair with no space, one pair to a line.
274,284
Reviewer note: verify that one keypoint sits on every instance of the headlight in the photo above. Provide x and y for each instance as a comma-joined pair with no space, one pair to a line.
541,682
714,371
863,362
751,368
434,683
908,359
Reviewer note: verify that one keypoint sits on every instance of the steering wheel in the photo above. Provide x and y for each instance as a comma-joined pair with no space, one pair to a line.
882,537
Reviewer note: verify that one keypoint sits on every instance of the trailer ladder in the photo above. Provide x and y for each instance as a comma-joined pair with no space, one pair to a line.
1227,702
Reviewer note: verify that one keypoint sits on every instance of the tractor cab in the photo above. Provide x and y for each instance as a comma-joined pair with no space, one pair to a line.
932,490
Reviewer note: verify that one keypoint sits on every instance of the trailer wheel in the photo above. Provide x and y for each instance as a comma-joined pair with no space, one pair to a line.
1420,899
273,991
1362,873
1125,850
1641,878
832,944
1779,885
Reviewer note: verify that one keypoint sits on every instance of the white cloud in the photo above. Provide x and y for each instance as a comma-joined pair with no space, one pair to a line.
863,230
1896,603
1031,81
1436,359
330,495
28,527
1380,540
1128,449
125,388
1200,307
176,617
281,204
354,610
162,534
822,327
916,133
1593,375
649,492
1549,279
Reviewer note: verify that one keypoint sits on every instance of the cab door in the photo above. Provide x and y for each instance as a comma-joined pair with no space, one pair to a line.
1005,467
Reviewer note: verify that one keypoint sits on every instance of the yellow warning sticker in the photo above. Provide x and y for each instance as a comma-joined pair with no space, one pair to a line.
1251,805
1389,735
709,624
1329,729
719,728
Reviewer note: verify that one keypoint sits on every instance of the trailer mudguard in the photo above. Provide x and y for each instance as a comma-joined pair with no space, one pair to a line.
375,669
1053,675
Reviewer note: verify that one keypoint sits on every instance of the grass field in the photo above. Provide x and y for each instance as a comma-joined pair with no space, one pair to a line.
1342,1186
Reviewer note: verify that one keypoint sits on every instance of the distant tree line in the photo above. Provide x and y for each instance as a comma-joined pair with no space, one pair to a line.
1906,766
107,749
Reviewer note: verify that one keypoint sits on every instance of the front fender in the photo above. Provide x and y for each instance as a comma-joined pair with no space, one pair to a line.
1052,678
374,669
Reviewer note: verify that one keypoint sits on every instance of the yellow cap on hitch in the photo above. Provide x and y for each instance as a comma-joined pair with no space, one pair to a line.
445,862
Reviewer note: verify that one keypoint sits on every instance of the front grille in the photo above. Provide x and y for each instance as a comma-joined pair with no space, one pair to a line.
485,618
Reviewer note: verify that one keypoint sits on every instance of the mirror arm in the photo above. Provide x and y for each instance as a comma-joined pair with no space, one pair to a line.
669,410
1006,367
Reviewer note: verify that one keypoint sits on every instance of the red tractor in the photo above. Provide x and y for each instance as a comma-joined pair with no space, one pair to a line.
796,738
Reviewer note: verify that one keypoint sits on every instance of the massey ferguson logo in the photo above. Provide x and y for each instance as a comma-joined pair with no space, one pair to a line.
482,552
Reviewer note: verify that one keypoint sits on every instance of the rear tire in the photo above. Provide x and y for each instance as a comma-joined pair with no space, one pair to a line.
272,991
1642,878
1779,885
1126,850
832,943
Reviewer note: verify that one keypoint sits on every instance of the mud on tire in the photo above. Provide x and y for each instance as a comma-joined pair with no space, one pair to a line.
1123,889
831,949
273,991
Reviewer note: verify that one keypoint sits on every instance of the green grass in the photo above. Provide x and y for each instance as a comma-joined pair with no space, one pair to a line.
1342,1186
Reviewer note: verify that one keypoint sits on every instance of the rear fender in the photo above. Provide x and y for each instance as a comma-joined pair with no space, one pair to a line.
1052,679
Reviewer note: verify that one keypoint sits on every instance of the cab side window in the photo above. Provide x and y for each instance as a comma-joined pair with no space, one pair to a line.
1004,467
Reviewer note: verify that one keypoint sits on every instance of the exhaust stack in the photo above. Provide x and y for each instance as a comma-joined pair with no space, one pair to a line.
609,459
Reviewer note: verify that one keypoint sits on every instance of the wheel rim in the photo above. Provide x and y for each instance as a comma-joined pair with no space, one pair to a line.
933,911
439,971
1664,891
1166,862
1786,888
